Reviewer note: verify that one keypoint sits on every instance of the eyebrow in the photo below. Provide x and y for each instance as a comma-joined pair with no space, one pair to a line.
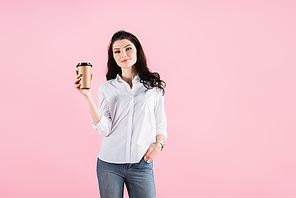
119,48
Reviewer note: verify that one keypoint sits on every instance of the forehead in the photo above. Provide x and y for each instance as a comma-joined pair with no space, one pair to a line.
122,43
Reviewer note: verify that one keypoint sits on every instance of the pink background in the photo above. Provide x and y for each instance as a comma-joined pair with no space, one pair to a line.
230,96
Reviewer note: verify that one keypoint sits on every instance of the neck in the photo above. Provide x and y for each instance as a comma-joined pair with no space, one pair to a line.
128,75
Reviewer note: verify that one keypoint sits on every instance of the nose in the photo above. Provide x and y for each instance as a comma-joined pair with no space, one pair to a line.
123,54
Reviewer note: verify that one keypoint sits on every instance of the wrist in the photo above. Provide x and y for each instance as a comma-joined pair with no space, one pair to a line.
88,95
161,144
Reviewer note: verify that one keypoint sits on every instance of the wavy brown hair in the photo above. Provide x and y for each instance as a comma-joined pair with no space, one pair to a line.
148,78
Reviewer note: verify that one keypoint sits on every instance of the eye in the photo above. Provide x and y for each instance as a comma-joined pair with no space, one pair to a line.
116,52
129,48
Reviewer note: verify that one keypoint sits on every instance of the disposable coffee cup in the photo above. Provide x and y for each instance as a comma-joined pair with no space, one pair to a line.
84,68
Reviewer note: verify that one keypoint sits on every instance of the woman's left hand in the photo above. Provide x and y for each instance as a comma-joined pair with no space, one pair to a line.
152,152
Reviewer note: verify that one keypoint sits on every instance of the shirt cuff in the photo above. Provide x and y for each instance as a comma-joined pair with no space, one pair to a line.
103,125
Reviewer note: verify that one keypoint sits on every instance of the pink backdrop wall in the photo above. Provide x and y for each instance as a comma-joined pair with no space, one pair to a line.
230,97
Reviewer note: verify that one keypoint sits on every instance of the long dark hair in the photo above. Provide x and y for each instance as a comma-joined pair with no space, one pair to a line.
148,78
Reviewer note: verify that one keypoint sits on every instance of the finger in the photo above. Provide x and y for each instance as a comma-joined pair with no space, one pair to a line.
91,77
147,157
149,160
147,154
77,81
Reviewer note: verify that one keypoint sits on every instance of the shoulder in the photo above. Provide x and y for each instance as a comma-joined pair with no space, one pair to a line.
155,91
158,91
106,84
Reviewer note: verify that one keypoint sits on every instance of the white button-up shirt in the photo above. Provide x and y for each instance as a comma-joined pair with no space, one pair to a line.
131,120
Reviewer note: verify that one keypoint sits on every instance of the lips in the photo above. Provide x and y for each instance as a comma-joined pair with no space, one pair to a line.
125,60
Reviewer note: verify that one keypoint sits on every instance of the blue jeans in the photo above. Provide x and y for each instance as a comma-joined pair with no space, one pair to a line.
138,178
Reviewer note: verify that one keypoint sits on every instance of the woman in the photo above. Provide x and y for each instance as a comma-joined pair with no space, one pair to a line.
131,118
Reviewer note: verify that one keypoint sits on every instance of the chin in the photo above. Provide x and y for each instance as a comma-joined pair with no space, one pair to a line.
125,66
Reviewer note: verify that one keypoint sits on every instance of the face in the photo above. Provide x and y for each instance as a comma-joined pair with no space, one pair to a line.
124,53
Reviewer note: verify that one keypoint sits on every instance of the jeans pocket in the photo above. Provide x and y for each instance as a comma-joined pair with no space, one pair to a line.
144,165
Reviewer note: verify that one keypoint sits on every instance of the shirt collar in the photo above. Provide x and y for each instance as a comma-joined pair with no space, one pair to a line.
136,78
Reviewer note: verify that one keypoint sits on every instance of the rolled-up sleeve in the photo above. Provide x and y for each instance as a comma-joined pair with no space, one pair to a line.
105,123
160,115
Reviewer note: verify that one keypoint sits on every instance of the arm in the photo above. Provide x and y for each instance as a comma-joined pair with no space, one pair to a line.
94,112
160,137
100,118
161,125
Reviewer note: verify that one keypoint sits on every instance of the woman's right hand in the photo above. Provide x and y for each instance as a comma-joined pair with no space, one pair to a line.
84,92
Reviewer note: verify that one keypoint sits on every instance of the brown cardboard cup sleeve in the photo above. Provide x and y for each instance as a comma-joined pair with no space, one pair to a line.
84,68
